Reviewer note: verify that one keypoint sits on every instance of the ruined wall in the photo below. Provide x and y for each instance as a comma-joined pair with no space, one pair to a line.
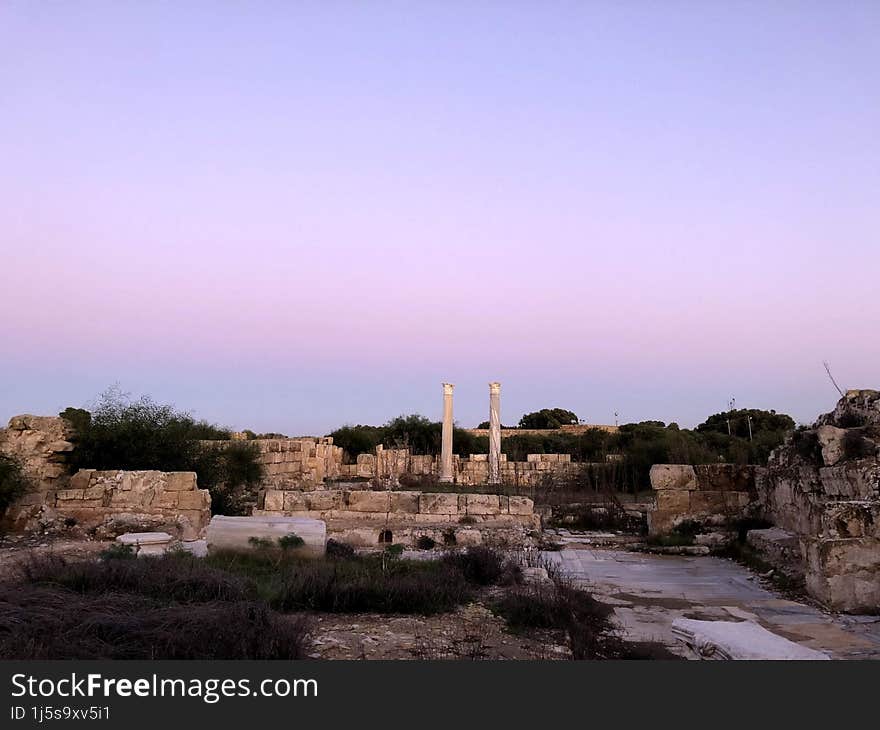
41,444
823,485
301,462
112,502
400,507
713,494
469,470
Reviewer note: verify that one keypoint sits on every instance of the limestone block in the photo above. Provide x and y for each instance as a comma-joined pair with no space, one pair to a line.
166,500
521,506
707,503
180,481
844,574
673,476
81,479
405,502
674,500
235,532
482,504
274,500
851,519
831,441
369,501
196,499
295,501
438,504
325,499
853,480
66,495
146,543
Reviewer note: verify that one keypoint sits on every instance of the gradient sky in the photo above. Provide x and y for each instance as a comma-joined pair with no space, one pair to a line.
288,216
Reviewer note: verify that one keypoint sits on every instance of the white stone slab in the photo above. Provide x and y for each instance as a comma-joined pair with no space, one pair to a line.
234,533
146,543
738,640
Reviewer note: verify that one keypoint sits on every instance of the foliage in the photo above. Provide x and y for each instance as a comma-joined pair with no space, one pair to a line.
79,418
414,432
122,433
548,418
13,482
761,422
484,566
290,541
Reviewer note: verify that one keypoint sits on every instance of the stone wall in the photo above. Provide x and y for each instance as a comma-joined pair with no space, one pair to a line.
468,470
712,494
41,444
111,502
823,486
302,462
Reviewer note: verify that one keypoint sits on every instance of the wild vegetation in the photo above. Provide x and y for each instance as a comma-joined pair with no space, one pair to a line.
230,604
122,433
13,482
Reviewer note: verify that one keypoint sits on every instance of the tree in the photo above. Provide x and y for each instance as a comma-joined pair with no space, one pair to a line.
548,418
762,423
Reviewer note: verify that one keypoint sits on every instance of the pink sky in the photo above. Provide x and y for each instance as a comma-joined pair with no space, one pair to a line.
301,216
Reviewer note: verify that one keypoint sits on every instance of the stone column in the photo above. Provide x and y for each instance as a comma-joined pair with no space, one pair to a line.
446,474
494,433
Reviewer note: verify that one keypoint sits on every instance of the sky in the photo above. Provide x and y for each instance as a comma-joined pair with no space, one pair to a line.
287,216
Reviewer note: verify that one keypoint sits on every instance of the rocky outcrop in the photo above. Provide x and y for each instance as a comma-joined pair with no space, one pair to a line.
41,444
823,485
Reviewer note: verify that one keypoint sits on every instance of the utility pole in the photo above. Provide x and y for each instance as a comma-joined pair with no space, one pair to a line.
615,418
749,417
731,404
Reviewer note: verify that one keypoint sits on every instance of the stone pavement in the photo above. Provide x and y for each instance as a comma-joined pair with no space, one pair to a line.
650,591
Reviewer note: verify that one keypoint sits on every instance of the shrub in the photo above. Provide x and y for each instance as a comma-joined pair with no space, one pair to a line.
425,543
48,622
855,446
336,550
370,584
118,551
13,482
172,577
558,605
290,542
139,434
483,566
806,444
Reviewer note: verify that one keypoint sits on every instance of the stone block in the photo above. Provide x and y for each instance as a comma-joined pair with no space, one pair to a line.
438,504
179,481
67,495
368,501
521,506
295,502
325,499
673,476
482,504
195,499
405,502
274,500
674,500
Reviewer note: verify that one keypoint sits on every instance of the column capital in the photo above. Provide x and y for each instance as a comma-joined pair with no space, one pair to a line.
494,388
447,388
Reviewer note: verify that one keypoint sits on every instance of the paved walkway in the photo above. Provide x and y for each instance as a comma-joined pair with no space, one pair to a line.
650,591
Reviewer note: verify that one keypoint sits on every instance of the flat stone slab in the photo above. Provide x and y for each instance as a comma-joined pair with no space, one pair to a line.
235,533
146,543
739,640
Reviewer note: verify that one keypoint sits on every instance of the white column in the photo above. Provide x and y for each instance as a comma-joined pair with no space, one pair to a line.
494,433
446,474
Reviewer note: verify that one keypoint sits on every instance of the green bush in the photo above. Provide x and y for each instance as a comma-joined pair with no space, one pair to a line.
13,482
121,433
290,542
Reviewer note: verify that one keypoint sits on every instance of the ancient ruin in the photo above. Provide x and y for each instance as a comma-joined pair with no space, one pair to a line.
820,491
